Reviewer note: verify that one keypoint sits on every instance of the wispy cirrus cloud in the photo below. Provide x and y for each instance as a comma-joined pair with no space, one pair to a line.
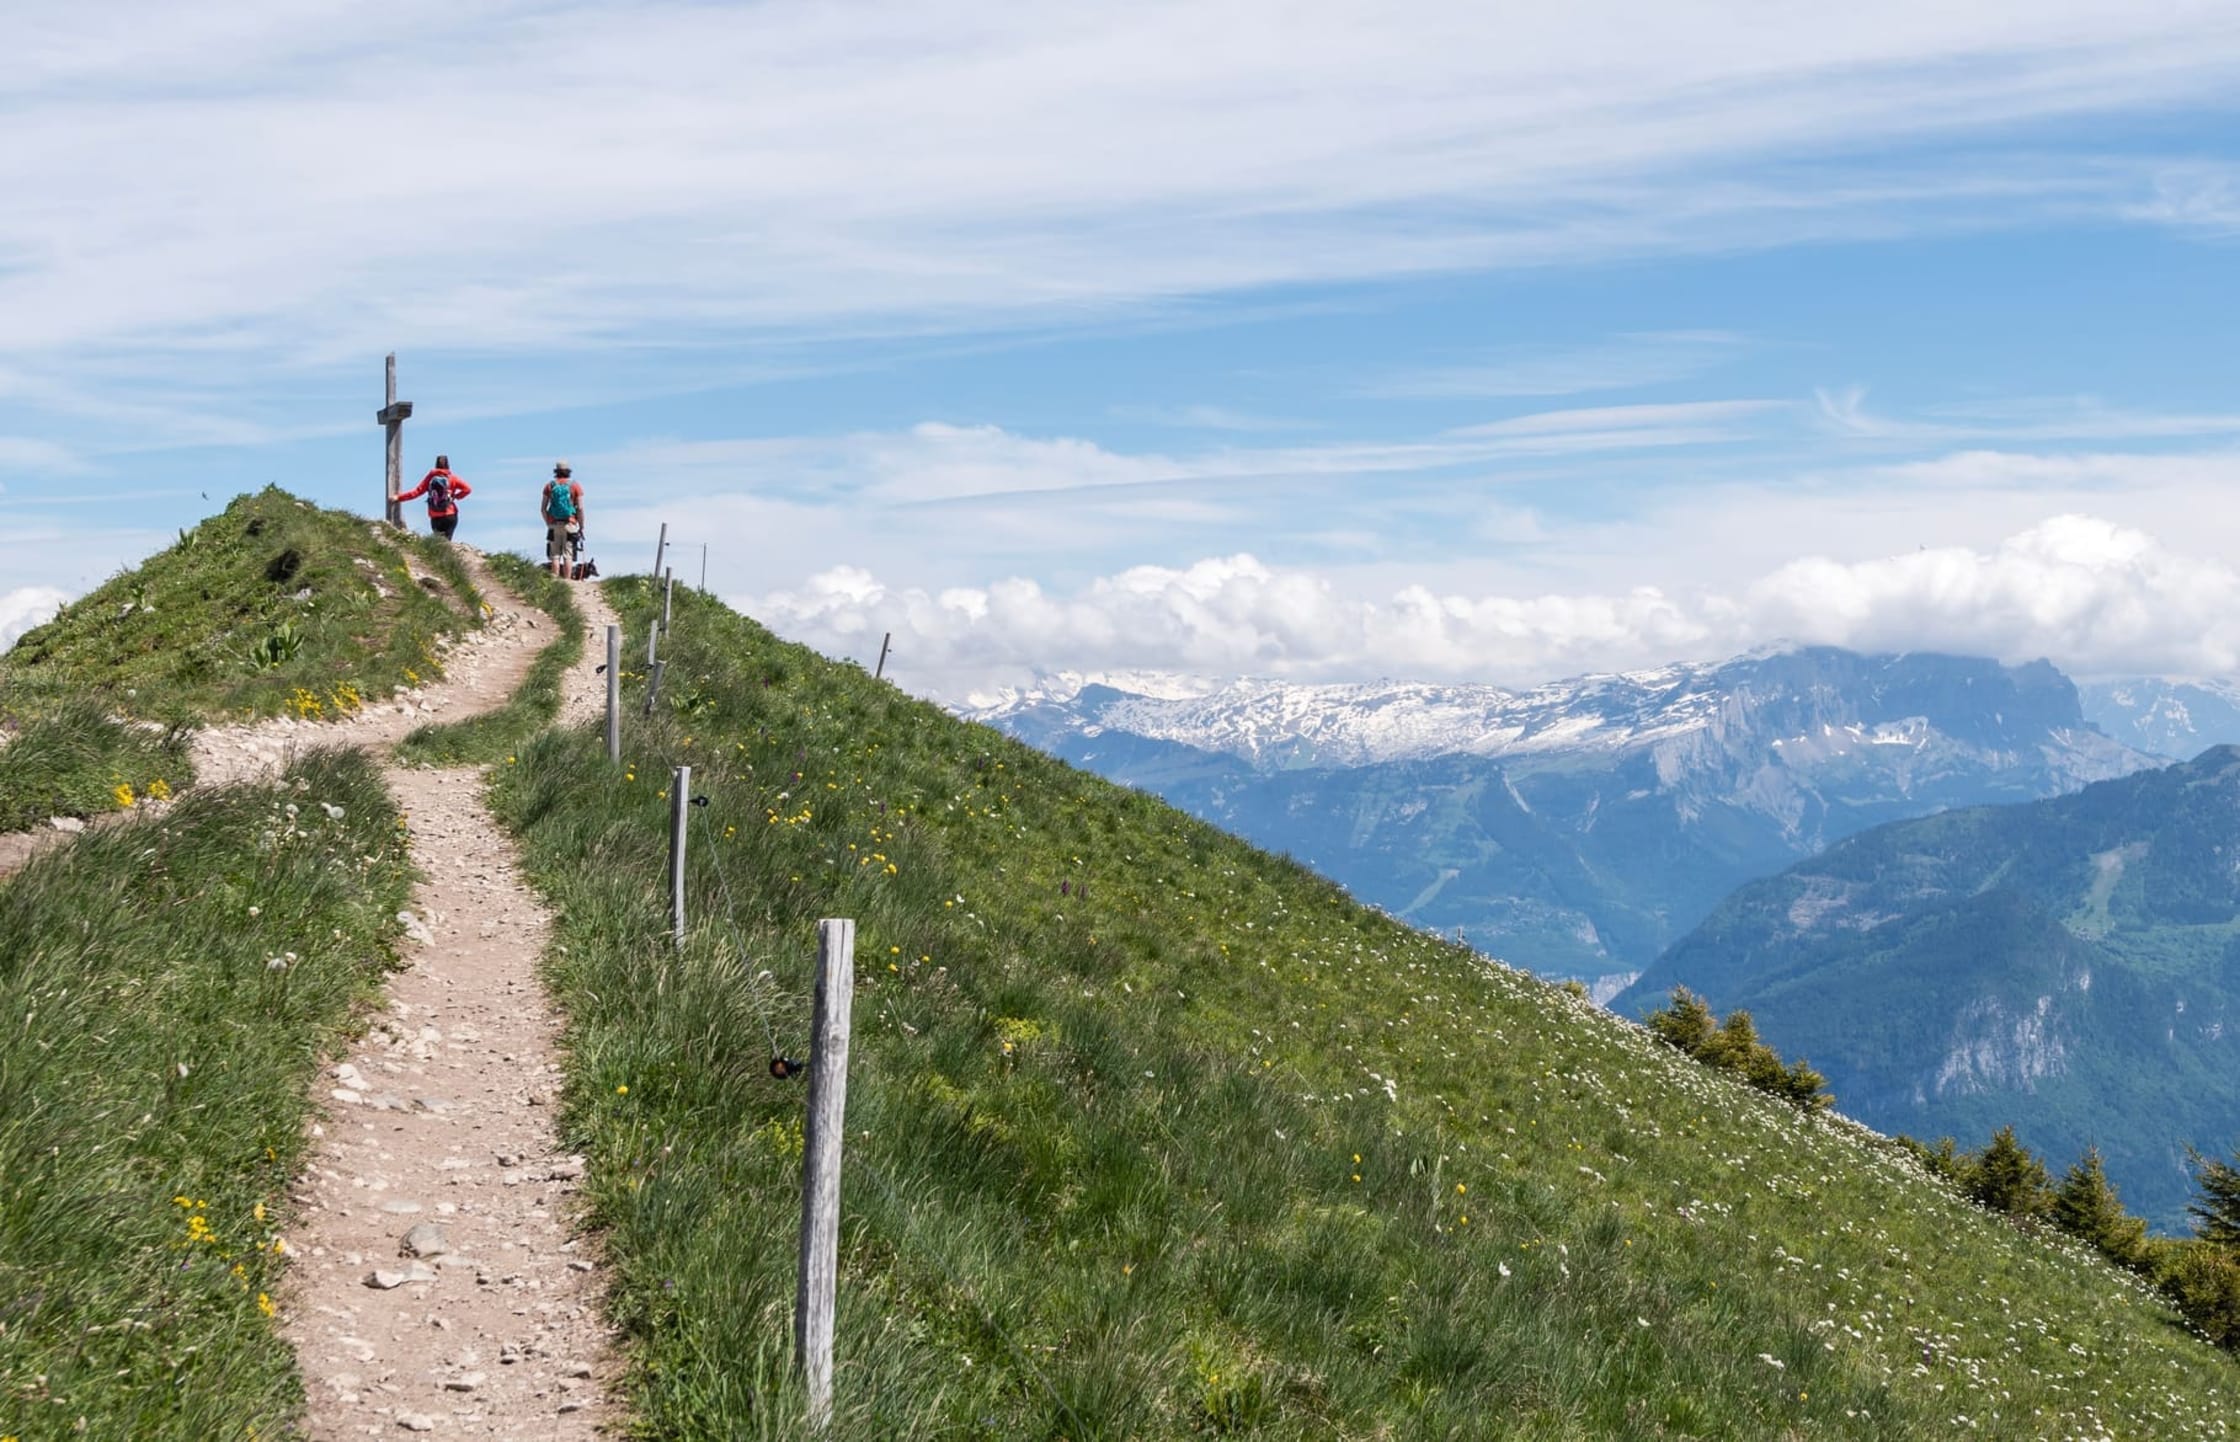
1626,362
1845,413
597,172
937,462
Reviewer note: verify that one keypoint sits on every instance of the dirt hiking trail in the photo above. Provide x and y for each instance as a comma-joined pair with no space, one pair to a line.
438,1287
436,1283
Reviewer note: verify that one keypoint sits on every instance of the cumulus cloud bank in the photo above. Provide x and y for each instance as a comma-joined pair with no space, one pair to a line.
2096,598
25,607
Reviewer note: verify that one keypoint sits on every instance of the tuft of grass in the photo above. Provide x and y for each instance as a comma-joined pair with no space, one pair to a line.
77,760
272,607
491,737
169,987
1152,1134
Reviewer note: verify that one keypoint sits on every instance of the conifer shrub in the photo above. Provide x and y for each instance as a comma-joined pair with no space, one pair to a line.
2087,1207
2216,1211
2008,1177
1733,1046
2203,1279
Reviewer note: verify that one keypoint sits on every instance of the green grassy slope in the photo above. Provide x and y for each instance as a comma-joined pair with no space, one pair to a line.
271,607
169,985
2066,966
70,757
219,626
1152,1134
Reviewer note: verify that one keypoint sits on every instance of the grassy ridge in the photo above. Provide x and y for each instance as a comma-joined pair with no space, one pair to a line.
169,985
1152,1134
271,607
492,736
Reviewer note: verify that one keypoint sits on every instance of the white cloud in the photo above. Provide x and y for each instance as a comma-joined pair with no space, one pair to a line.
2199,197
938,462
22,456
1844,413
1206,418
2096,598
26,607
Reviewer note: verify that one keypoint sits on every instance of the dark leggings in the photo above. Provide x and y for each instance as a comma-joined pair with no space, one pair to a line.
444,525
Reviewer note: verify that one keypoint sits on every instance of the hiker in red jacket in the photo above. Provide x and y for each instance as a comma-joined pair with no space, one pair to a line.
443,490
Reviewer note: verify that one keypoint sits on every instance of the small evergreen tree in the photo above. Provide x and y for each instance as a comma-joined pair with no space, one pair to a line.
2204,1280
1806,1087
2086,1206
1942,1160
1686,1023
2216,1207
1734,1045
2008,1178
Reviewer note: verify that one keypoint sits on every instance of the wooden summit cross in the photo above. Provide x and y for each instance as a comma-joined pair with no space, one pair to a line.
393,416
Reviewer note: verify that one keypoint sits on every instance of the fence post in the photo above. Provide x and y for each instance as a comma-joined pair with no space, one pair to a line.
822,1135
653,641
614,693
884,642
661,548
653,685
703,565
668,594
680,802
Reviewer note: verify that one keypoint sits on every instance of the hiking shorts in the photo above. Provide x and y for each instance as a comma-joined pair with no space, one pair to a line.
445,525
559,538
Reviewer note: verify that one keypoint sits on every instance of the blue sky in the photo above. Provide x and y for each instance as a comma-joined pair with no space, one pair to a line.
1475,342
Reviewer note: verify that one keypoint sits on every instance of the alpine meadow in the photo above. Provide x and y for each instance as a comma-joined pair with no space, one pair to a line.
1120,722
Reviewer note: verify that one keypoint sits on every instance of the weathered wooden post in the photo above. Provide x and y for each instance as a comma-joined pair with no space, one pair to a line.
392,416
703,565
668,595
653,642
884,642
653,685
680,800
614,693
822,1133
661,548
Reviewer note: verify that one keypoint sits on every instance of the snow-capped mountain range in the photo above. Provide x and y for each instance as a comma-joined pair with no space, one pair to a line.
1280,725
1580,826
2177,719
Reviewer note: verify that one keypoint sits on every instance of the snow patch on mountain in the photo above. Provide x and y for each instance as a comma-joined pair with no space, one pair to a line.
1278,724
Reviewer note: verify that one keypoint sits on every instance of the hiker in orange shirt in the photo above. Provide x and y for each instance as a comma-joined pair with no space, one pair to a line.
444,491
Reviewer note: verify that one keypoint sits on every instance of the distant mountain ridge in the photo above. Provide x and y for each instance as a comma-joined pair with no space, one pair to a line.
1578,828
2070,965
2177,719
